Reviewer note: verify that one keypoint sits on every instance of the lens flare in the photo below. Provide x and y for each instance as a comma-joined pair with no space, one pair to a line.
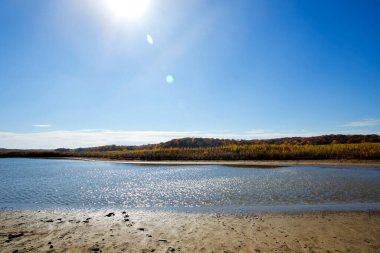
169,79
149,38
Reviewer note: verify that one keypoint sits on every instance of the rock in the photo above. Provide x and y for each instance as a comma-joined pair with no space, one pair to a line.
15,251
126,220
170,249
162,240
51,246
49,242
148,235
123,212
50,220
110,215
11,236
94,248
126,216
141,229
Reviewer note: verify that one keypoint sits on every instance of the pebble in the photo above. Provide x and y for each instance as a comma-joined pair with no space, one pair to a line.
110,214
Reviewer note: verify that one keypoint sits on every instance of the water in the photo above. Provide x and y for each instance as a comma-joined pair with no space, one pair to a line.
40,183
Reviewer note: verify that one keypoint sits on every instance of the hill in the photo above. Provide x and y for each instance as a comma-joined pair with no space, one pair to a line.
212,142
359,147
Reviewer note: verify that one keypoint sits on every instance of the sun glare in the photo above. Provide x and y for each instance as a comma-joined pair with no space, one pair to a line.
128,9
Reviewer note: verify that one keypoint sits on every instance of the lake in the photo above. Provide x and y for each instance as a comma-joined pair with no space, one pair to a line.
56,184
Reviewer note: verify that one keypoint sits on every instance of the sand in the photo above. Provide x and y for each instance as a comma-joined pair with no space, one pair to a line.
343,162
69,231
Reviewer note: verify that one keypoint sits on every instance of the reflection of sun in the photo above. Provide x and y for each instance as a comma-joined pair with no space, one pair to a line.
128,9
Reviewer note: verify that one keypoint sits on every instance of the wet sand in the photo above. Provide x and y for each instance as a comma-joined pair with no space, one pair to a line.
269,163
69,231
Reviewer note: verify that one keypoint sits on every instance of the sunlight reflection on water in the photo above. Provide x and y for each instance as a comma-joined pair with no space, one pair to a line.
78,184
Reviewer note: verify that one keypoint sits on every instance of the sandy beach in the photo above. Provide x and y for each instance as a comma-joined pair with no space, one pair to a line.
117,231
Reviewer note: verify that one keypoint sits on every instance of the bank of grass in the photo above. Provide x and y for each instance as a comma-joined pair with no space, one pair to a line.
360,151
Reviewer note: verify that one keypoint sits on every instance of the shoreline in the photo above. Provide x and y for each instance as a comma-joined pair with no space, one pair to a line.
365,163
115,231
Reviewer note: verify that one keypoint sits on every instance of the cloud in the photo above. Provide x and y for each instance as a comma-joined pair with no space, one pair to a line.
363,123
99,137
42,125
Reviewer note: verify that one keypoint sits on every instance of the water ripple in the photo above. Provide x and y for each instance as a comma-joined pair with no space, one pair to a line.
78,184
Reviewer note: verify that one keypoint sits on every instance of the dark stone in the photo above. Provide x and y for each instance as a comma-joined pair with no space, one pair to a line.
95,248
123,212
110,214
141,229
11,236
49,242
51,246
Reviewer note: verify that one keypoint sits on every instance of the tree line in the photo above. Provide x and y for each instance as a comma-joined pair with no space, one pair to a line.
360,151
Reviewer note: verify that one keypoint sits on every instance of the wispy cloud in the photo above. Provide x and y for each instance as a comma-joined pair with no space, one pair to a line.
42,125
99,137
96,137
363,123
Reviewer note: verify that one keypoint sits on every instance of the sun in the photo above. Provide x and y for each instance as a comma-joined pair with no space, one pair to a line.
128,9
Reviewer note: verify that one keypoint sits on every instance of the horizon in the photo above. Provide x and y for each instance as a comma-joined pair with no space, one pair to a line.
195,137
93,73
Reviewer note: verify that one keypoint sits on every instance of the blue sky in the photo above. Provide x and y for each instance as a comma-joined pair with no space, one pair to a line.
78,73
